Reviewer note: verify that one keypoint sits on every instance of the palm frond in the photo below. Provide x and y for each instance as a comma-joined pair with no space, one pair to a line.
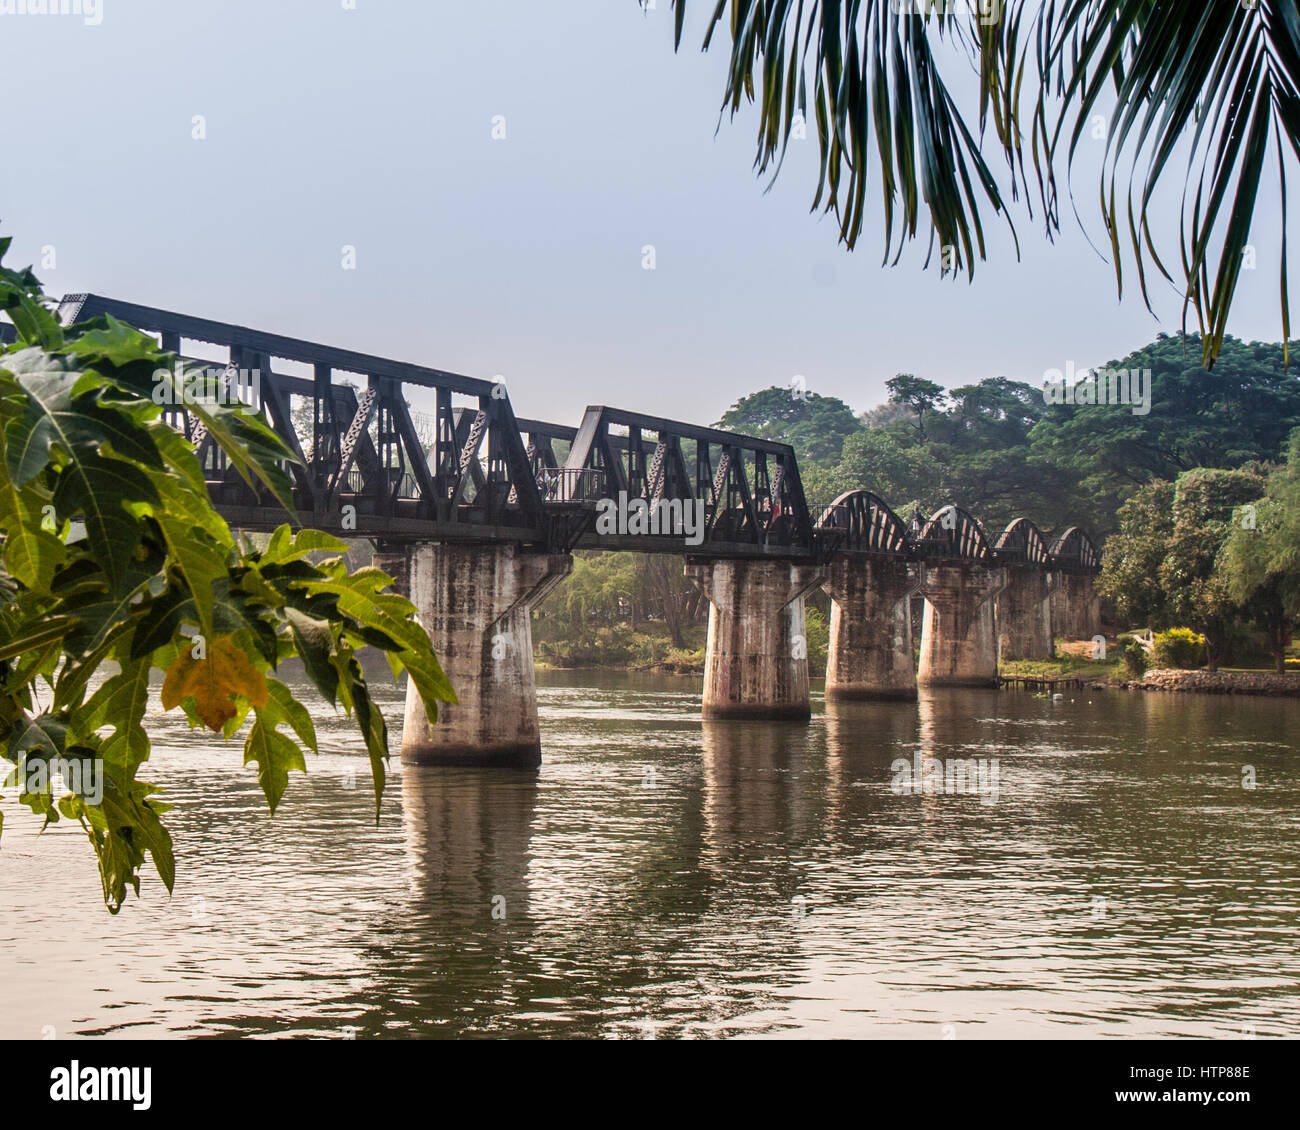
874,82
1217,78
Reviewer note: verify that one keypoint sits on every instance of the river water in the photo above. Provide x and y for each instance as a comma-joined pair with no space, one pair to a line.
1111,876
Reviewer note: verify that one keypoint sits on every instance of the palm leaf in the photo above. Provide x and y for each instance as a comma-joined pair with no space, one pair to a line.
1219,80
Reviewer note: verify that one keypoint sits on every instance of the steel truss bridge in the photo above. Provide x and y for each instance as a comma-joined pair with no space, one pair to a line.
471,471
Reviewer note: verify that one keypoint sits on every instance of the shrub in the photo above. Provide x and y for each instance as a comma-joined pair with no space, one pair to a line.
1179,647
1135,658
684,661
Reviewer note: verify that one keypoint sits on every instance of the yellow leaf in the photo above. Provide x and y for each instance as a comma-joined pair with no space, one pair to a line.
214,682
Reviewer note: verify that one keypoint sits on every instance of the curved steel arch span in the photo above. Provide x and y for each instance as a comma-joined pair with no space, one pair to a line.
862,522
1074,551
1022,543
953,534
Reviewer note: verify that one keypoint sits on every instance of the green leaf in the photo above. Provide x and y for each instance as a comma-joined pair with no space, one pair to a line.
33,636
200,557
21,299
282,706
275,755
121,702
285,547
45,735
315,645
63,406
253,449
57,411
31,551
122,829
373,729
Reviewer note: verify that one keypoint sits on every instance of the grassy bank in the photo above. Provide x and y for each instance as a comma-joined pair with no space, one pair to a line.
646,648
649,646
1064,666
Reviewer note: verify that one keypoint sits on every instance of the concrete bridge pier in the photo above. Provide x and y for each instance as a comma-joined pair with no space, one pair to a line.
1076,607
1024,614
959,638
756,665
870,654
474,601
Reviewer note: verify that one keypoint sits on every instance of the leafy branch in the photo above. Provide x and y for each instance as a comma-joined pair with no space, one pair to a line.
114,564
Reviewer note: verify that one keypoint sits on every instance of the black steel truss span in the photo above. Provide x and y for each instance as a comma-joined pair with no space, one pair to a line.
746,492
466,469
364,466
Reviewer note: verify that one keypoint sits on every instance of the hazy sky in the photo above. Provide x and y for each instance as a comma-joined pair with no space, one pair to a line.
520,257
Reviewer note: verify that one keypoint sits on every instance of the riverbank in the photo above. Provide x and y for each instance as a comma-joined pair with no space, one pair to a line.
1219,682
1069,670
1073,667
620,648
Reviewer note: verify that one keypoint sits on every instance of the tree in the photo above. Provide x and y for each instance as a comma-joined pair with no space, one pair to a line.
113,561
1197,590
882,415
1163,565
879,460
595,593
1261,559
1215,80
662,581
999,449
917,395
816,426
1131,557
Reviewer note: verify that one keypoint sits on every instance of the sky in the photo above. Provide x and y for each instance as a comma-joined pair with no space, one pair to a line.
369,124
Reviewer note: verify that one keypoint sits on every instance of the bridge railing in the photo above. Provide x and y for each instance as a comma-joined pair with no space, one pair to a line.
405,484
566,484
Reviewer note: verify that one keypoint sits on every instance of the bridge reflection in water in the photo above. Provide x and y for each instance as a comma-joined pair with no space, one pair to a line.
662,874
771,878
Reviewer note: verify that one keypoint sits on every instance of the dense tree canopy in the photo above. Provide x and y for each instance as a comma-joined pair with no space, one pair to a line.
1241,411
1261,559
1000,450
816,426
972,446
